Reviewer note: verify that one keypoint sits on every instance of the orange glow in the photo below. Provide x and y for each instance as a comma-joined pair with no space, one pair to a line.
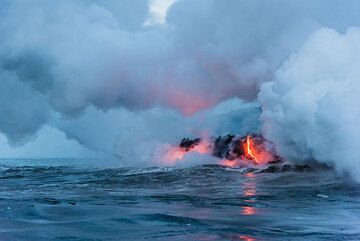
249,149
252,149
256,151
248,210
202,148
228,163
246,238
185,100
249,174
249,192
175,153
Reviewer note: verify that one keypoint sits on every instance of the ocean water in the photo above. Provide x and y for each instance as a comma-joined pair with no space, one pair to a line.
40,200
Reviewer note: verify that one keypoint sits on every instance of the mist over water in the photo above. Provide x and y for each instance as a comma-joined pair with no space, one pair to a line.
309,110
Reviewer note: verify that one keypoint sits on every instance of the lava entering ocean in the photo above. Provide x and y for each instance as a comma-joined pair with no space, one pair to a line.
256,150
230,150
249,149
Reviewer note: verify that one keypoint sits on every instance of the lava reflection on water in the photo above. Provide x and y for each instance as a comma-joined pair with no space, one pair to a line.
249,194
246,238
248,210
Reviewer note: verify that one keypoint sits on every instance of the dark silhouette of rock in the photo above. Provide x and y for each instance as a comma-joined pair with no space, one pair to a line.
188,144
231,147
301,168
222,145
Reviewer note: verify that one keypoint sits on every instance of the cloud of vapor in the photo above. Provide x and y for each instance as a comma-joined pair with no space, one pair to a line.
310,110
121,77
72,55
140,139
22,113
158,11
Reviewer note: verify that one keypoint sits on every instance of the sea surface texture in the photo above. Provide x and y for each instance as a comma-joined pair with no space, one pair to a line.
41,201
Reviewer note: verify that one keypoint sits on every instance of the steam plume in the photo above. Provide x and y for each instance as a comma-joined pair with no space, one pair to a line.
113,73
310,110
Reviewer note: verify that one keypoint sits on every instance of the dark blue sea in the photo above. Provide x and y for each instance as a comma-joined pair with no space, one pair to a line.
55,200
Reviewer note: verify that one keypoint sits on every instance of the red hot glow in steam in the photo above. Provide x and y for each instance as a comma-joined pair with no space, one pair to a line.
176,153
251,149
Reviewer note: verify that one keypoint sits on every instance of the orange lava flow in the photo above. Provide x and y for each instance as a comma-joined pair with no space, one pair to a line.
249,150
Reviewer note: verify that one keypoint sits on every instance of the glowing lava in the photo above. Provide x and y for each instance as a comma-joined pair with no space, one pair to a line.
255,149
231,151
250,149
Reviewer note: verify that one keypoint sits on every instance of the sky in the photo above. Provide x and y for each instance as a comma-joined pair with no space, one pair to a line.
124,79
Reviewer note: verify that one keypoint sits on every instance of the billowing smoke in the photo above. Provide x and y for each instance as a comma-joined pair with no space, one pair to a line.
140,139
22,112
128,77
73,55
311,109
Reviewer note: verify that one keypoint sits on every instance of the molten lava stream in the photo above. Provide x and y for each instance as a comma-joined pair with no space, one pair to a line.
249,150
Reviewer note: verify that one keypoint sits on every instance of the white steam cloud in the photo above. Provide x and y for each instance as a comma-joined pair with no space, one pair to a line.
311,109
122,76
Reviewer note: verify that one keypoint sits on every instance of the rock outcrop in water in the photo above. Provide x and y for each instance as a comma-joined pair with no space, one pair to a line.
222,146
188,144
233,148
